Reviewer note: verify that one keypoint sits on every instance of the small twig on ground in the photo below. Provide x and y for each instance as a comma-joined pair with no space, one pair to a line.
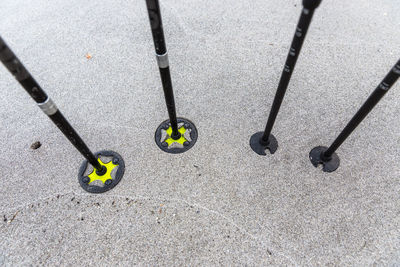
13,217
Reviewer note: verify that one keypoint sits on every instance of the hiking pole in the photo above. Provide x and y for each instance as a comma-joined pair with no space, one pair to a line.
101,170
327,156
175,135
262,141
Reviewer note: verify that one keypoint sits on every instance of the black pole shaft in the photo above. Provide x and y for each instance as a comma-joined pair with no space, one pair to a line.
153,9
294,52
22,75
372,100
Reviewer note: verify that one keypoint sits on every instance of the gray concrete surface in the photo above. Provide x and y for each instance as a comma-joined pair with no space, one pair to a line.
219,203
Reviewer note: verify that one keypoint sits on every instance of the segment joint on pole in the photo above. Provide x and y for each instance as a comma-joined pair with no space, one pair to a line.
162,60
101,171
48,107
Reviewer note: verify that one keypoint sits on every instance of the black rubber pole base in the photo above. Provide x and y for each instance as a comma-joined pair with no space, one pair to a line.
316,158
107,180
167,143
258,146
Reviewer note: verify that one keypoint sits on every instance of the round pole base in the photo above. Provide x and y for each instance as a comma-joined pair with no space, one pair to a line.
258,146
96,182
316,158
166,142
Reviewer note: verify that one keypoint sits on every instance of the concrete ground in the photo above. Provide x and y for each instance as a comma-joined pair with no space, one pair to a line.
219,203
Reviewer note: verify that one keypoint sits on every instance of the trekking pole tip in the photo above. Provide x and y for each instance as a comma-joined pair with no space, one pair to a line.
104,179
168,142
259,146
328,164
